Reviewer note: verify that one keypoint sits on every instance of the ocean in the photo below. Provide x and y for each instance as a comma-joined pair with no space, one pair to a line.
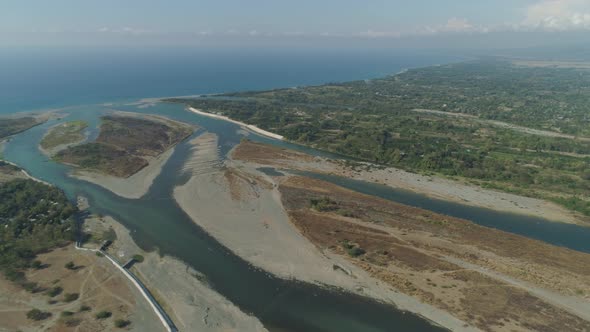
42,78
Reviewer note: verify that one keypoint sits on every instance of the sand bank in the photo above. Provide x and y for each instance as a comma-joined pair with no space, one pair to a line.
26,174
431,186
132,187
445,189
181,290
255,226
247,126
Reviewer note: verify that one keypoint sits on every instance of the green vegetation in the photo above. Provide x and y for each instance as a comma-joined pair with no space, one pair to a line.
70,265
84,308
73,322
323,204
138,258
71,297
36,314
34,218
102,158
123,144
121,323
382,121
352,249
65,133
12,126
103,315
67,314
55,291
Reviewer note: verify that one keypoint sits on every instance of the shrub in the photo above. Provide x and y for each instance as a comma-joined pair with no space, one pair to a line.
67,313
37,264
70,265
356,251
85,308
55,291
72,322
103,315
138,258
30,286
99,254
36,314
121,323
71,297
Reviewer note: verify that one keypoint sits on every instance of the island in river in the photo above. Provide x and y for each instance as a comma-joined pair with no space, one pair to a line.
128,153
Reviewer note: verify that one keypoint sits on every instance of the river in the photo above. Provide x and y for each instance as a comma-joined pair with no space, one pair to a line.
156,221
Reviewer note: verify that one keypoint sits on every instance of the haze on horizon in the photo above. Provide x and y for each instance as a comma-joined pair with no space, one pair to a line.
330,23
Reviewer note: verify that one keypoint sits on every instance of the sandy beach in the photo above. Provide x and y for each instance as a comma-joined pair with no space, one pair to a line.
256,227
247,126
191,303
132,187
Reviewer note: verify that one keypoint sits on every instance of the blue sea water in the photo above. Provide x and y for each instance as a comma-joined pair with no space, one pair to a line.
41,78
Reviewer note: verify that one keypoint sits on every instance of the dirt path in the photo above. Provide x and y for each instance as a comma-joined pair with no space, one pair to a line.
522,129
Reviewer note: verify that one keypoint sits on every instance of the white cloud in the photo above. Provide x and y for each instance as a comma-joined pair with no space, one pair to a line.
558,15
125,30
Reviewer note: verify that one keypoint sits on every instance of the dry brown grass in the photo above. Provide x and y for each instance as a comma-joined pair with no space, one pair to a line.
410,248
97,282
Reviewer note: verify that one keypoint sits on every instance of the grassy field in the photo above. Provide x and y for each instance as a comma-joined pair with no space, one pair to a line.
63,134
518,129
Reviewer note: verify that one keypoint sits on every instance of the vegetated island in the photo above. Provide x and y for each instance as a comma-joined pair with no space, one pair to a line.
12,125
46,283
62,136
128,153
456,273
492,123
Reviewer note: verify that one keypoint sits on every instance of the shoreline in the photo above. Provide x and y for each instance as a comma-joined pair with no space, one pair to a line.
191,303
430,186
133,187
244,125
454,191
29,176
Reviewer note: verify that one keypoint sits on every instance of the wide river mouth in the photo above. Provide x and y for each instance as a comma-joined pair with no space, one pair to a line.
156,221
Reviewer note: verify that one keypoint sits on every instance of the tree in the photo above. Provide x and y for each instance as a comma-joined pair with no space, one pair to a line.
103,314
121,323
36,314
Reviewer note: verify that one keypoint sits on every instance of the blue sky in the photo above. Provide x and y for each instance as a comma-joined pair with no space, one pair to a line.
62,22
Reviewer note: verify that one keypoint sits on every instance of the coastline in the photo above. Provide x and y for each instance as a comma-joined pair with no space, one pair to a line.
256,227
29,176
133,187
244,125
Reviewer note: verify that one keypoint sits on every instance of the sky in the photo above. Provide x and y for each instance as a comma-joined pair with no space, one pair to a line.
391,23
